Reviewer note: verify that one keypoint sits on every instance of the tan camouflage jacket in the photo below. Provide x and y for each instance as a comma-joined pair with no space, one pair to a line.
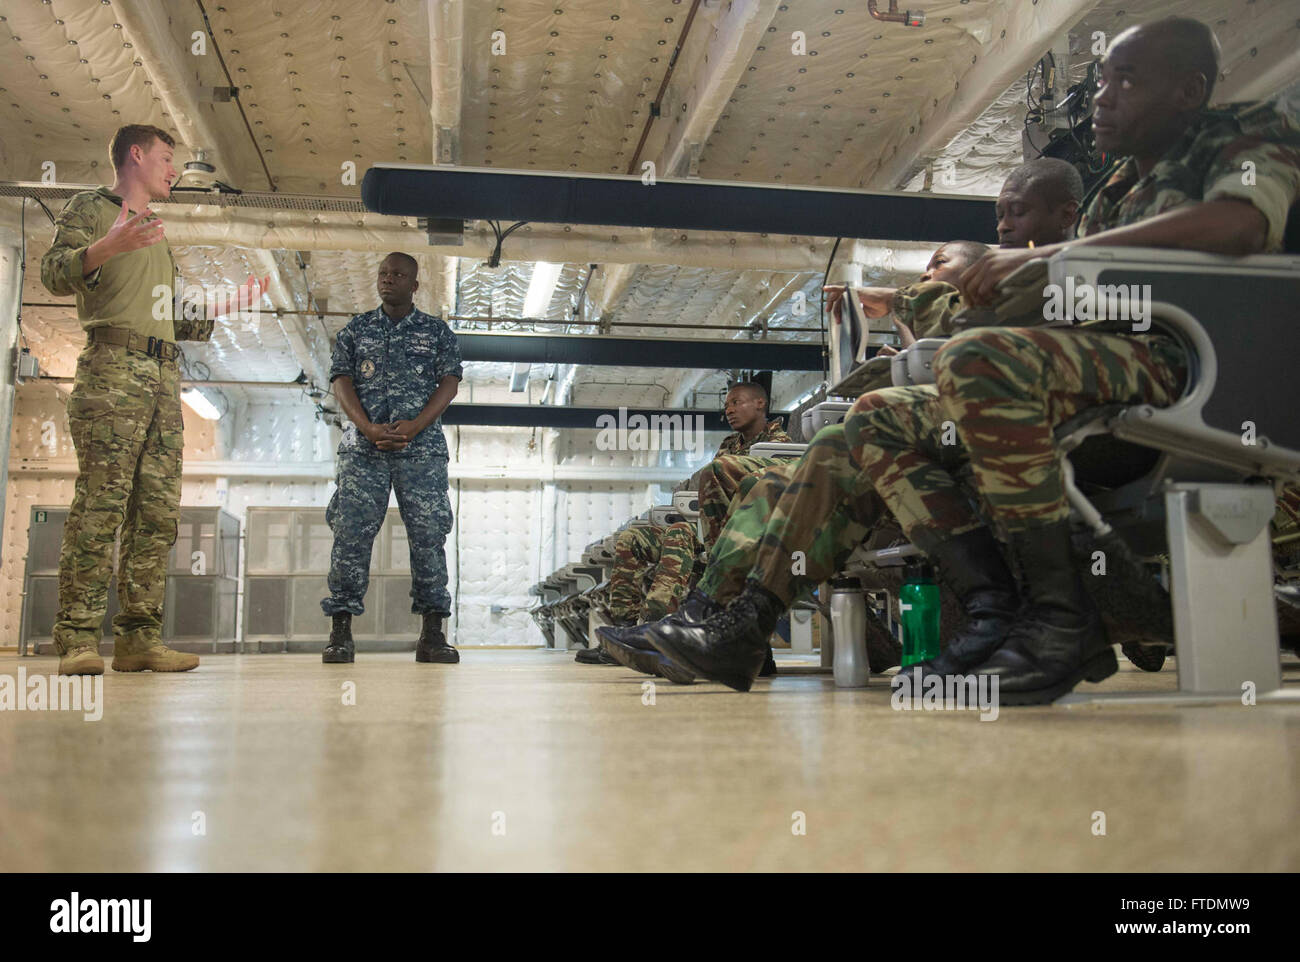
124,291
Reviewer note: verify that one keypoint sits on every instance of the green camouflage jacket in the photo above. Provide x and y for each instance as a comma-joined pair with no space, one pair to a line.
927,307
1247,151
735,442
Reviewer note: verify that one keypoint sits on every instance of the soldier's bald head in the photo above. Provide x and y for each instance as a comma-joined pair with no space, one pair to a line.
1183,45
1053,180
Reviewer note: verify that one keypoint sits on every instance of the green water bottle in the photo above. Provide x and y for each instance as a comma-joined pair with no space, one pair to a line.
918,602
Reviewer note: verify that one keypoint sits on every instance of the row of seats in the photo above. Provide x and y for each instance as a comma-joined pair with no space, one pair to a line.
574,600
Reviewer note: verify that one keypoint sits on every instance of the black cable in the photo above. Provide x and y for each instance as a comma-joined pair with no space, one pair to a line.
494,259
53,222
821,312
235,96
22,266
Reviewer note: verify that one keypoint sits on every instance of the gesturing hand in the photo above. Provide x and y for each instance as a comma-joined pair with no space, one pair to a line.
131,233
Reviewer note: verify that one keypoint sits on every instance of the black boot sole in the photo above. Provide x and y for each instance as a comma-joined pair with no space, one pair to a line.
733,680
1096,669
438,657
329,657
648,663
1146,657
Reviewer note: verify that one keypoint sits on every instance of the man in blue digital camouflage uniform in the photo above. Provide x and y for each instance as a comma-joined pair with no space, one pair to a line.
394,371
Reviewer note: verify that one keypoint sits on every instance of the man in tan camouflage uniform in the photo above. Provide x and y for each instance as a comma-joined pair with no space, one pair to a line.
124,410
1006,389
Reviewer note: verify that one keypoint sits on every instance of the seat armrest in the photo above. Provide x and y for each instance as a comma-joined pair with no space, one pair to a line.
687,504
822,415
777,449
915,363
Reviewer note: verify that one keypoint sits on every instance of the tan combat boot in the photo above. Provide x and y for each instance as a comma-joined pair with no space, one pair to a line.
136,651
81,660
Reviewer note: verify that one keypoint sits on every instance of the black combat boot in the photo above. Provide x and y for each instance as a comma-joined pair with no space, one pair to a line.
696,607
973,567
625,633
1057,639
339,651
432,645
730,646
593,656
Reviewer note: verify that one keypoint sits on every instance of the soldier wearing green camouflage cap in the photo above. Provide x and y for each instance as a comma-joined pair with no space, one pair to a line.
124,411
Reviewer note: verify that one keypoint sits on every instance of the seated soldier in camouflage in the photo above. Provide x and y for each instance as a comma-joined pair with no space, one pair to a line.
798,523
656,563
925,307
1004,390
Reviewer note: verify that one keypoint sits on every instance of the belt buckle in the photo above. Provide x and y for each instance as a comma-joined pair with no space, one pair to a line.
154,348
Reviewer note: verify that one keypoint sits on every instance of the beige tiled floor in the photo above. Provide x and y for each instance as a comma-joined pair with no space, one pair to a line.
581,774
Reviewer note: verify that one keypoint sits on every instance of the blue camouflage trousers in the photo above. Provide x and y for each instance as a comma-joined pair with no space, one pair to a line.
356,513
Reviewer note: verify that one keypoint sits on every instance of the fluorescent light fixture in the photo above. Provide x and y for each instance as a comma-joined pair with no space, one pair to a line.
541,288
199,404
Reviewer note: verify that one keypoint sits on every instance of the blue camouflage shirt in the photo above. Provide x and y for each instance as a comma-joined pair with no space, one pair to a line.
395,367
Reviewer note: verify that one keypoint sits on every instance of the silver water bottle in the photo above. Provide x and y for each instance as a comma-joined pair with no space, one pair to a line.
849,623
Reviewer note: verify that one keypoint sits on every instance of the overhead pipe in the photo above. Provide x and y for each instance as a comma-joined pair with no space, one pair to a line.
478,193
912,18
641,352
324,471
756,328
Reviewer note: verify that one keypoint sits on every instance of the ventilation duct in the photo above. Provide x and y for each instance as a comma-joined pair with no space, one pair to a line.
465,193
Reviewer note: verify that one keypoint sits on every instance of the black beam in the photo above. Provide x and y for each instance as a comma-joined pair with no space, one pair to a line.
548,416
640,352
472,193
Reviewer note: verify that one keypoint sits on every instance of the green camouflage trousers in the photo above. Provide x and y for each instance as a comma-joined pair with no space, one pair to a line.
719,483
653,568
796,524
1000,394
124,414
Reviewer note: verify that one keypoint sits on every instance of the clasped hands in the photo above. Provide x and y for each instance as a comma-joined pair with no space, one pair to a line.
391,437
